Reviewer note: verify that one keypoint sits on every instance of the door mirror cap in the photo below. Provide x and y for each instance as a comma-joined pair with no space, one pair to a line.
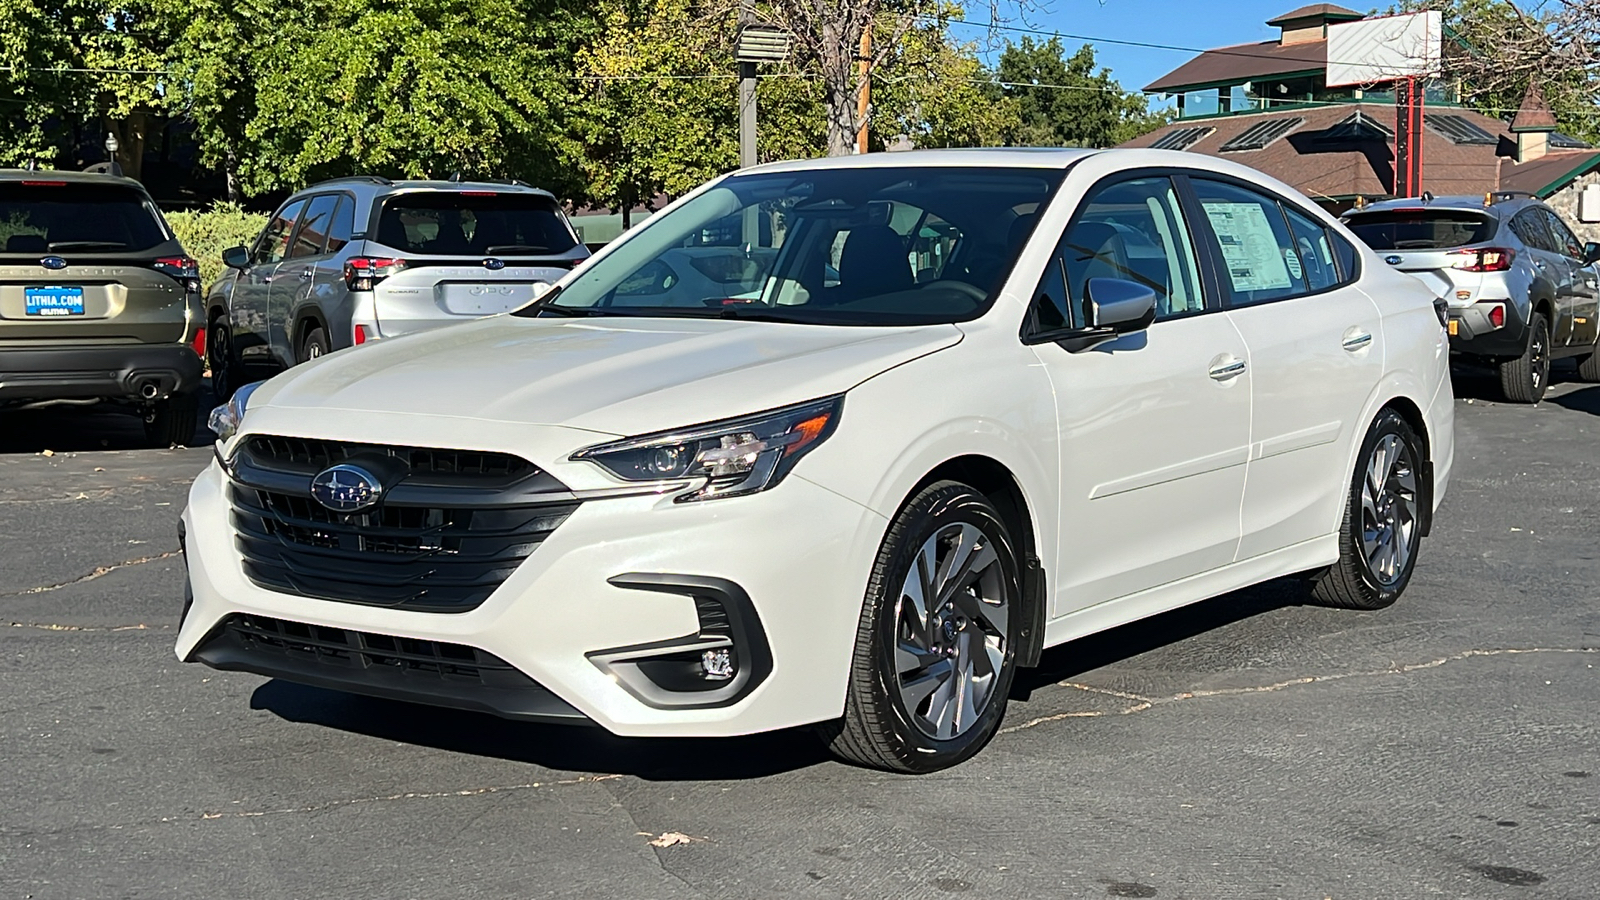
1119,305
236,258
1591,252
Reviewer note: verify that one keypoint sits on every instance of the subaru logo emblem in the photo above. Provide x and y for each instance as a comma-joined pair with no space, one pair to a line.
346,488
1392,260
53,262
494,265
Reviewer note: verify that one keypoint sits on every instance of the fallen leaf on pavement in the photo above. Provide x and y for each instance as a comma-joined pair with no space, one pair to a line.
673,838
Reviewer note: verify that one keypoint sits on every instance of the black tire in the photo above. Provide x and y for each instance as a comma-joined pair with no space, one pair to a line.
1589,368
1352,582
171,422
1524,379
315,345
219,354
878,730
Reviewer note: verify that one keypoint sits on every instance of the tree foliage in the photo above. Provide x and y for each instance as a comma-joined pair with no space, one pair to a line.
1068,101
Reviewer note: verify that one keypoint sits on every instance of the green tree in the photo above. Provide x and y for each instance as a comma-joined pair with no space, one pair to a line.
934,92
1067,101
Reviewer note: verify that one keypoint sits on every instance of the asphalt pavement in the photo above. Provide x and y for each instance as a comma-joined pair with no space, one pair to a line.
1246,747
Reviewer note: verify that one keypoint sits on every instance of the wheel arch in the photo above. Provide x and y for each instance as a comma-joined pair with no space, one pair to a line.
996,482
305,319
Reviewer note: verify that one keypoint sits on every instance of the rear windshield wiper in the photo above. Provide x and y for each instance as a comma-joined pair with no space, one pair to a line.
87,245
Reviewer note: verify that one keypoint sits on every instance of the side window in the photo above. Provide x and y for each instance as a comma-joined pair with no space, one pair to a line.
1531,229
1347,255
1051,309
312,235
1567,243
344,224
274,245
1135,231
1258,251
1316,254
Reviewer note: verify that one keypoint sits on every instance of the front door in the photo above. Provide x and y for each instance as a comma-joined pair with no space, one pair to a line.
1316,354
1153,427
250,308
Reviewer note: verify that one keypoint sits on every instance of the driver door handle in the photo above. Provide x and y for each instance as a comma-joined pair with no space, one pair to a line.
1356,341
306,272
1224,369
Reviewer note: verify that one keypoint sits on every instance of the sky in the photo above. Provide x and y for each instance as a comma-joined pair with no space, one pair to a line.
1201,24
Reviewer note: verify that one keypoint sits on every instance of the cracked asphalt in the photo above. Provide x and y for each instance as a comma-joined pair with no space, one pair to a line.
1246,747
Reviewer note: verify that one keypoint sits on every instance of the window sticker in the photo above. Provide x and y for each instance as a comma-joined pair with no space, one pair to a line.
1249,246
1292,260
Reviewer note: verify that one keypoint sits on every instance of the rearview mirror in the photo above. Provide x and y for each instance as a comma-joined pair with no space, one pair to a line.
236,258
1591,252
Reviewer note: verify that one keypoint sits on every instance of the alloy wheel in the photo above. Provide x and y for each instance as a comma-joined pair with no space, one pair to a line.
1389,510
950,631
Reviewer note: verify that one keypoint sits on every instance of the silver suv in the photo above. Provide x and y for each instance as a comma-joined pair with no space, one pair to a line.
1522,289
360,259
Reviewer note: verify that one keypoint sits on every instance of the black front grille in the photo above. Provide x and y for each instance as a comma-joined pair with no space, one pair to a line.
360,649
448,531
311,456
381,665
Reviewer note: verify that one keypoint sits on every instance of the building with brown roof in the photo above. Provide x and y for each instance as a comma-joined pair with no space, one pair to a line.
1268,105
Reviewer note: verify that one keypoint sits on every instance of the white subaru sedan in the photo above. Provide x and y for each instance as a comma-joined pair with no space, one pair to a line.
913,418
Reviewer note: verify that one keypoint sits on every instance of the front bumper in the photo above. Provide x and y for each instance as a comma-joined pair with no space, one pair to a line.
124,372
618,579
1472,332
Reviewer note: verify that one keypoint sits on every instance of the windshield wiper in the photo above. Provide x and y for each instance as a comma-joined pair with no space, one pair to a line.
87,245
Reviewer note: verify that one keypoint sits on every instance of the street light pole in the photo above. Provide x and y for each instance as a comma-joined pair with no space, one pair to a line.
747,101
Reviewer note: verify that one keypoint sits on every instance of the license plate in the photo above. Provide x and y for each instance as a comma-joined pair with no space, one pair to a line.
1453,326
53,301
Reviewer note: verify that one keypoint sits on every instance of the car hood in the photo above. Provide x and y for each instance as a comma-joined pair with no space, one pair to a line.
612,375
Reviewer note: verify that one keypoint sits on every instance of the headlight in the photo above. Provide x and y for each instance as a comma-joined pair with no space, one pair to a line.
735,456
225,419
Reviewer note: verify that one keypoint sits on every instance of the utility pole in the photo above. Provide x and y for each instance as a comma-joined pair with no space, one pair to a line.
747,101
864,100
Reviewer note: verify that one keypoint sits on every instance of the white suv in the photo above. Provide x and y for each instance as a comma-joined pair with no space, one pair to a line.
931,413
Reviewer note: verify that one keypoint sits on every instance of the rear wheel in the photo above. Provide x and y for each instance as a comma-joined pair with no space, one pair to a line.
1589,367
935,648
171,422
1524,379
315,344
1382,527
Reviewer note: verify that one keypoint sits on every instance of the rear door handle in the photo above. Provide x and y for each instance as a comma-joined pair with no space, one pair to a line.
1222,370
1355,341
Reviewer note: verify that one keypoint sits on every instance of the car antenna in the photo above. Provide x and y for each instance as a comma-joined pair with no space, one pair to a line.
1427,196
455,177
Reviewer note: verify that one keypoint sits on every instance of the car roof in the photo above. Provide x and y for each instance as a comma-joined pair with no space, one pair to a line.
15,175
982,157
1459,203
373,187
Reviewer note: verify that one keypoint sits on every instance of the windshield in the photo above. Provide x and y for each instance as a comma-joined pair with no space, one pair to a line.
1421,230
873,246
57,217
473,223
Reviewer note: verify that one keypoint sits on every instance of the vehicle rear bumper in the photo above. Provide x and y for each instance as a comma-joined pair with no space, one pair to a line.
127,372
1471,331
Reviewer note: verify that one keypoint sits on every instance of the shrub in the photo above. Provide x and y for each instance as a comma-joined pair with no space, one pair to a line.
206,234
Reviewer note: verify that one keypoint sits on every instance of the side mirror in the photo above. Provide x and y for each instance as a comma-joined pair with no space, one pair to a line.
1119,306
1591,253
236,258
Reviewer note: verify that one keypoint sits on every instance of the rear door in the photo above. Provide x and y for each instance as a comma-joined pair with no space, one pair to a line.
250,308
1550,268
291,285
329,291
1315,343
82,263
467,253
1579,328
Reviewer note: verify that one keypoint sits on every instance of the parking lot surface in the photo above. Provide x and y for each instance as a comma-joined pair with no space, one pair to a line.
1248,747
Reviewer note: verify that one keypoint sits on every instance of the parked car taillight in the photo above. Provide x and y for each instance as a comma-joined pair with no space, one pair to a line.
182,268
1487,259
362,272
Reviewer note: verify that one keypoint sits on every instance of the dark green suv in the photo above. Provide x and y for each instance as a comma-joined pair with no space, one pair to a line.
98,301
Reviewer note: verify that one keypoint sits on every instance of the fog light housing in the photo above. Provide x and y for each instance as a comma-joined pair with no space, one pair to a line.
717,664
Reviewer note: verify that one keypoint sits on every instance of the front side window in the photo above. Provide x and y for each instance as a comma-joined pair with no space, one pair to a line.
1259,257
274,243
860,246
473,223
1134,231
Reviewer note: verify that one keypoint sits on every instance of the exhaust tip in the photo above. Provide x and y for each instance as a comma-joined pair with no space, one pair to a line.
148,390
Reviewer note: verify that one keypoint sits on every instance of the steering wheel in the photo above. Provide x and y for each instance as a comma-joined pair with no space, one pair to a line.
973,293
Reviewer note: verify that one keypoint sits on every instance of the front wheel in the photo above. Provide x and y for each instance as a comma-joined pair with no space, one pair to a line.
936,644
219,354
1524,379
1382,527
171,422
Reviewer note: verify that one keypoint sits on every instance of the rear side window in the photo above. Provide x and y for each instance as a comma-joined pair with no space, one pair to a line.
1531,229
344,224
1421,229
1252,235
445,223
52,217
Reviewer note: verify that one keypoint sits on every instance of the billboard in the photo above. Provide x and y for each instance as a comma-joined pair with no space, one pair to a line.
1384,49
